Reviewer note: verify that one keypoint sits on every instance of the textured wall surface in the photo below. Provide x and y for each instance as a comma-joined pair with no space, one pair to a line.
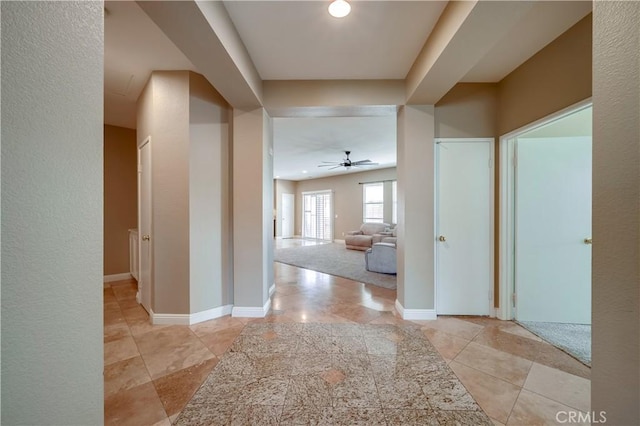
615,379
52,350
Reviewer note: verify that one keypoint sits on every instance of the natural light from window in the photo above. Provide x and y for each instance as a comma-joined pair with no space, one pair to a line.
373,202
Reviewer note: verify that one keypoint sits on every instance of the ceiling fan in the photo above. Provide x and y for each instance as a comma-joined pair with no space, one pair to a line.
347,163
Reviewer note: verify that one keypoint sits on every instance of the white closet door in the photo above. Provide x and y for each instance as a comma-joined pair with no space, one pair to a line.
464,280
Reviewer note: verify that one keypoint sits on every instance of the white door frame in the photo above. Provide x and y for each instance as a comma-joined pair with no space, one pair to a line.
506,255
491,247
146,141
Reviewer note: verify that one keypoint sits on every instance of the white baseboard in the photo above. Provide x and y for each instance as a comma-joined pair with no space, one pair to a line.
415,314
117,277
272,289
169,319
251,312
210,314
190,319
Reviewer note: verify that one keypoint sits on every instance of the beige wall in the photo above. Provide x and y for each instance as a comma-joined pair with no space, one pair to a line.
347,197
188,122
253,210
280,95
120,196
469,110
163,113
209,197
615,379
556,77
416,209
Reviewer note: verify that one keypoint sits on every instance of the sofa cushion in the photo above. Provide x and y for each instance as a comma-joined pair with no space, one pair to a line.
370,228
358,242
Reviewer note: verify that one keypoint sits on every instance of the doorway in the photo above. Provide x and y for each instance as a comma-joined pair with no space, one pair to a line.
287,215
144,224
546,227
464,226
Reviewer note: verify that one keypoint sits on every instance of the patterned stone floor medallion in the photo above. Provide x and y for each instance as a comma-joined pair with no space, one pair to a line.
332,374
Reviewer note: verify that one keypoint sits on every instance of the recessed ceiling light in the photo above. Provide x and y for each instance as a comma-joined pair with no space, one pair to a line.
339,9
304,171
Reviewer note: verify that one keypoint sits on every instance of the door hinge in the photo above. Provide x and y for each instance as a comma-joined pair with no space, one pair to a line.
139,168
514,299
515,160
490,162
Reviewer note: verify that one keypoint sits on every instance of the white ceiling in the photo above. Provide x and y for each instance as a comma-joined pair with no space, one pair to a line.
301,144
299,40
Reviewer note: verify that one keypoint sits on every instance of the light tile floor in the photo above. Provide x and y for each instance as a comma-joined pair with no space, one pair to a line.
152,372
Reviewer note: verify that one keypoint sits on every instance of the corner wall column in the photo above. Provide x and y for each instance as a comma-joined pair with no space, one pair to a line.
252,212
416,162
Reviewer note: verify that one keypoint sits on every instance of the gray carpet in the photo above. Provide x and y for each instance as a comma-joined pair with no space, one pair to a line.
334,259
575,339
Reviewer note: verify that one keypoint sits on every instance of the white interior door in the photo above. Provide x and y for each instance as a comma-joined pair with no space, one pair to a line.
144,223
288,201
552,221
464,272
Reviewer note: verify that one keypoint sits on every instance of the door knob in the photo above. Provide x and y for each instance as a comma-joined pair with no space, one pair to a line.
441,238
588,240
145,238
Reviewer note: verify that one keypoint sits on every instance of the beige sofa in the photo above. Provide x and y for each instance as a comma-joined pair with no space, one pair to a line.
368,234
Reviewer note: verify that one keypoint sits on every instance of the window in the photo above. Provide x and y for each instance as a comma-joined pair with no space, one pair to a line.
316,216
394,201
373,202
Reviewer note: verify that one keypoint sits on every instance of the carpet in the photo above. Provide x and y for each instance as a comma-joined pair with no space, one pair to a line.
334,259
574,339
332,374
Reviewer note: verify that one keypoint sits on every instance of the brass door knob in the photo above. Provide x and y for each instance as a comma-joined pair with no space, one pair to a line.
588,240
442,239
145,238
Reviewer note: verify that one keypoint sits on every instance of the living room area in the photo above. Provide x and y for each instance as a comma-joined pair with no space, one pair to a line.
330,225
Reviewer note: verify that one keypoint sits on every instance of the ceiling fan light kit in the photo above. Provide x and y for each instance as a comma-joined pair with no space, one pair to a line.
347,163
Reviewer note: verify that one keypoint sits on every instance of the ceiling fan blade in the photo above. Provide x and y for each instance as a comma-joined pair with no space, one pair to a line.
329,165
335,167
363,163
331,162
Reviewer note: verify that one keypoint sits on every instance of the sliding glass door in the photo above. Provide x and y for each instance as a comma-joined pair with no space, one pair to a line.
317,222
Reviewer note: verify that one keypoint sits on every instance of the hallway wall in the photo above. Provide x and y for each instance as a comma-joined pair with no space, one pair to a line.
120,196
52,136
